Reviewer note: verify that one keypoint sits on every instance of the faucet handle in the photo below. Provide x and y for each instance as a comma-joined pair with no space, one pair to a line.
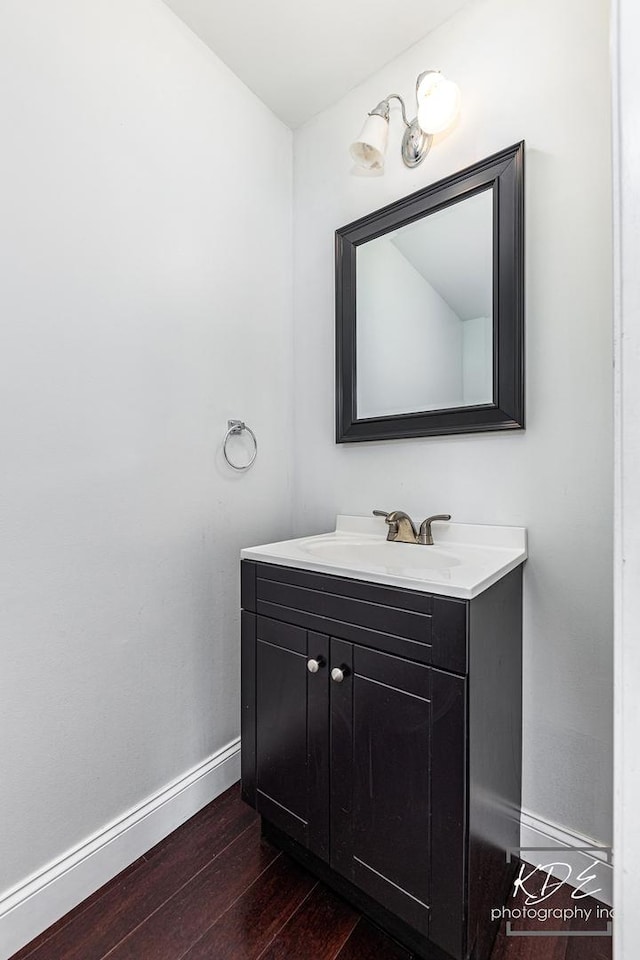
391,519
425,536
393,526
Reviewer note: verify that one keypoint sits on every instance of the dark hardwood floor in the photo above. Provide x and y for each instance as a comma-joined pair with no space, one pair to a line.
214,890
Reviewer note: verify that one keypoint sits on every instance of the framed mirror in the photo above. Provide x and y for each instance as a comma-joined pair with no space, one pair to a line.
430,309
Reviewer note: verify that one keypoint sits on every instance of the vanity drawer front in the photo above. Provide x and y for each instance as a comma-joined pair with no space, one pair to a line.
344,587
375,616
419,626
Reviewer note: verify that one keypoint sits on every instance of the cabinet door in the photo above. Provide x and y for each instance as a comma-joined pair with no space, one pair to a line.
292,734
380,755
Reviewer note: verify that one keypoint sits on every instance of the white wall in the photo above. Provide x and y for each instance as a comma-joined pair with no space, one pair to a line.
555,478
145,298
414,362
626,143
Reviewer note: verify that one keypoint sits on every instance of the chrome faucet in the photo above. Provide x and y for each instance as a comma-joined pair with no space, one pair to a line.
402,528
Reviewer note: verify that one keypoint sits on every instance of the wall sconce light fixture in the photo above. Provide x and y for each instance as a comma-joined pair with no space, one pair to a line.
438,102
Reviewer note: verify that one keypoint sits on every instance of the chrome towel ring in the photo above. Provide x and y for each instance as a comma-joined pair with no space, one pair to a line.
236,427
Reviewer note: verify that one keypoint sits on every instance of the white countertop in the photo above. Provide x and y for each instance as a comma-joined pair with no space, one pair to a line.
464,560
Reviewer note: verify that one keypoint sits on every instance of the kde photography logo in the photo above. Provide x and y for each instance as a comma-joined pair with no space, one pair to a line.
557,897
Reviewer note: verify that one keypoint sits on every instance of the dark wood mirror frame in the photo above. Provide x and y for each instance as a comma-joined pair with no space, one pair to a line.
503,173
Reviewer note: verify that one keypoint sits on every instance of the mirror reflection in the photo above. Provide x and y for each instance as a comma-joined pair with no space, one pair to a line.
424,305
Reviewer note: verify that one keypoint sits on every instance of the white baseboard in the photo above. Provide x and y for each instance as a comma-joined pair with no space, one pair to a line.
33,905
537,832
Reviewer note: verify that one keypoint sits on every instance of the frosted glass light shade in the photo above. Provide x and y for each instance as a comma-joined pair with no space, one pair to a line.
369,149
438,102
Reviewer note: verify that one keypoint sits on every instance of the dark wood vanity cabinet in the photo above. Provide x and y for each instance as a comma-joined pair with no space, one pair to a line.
381,744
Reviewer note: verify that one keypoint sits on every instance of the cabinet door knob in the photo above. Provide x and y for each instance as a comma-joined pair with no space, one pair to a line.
315,664
339,673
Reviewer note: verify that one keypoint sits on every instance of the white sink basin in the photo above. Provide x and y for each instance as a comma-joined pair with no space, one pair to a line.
373,553
464,560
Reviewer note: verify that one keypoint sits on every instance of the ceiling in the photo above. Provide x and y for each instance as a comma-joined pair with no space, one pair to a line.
300,56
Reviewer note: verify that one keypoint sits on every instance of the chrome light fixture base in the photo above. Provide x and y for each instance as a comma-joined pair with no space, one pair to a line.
415,144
